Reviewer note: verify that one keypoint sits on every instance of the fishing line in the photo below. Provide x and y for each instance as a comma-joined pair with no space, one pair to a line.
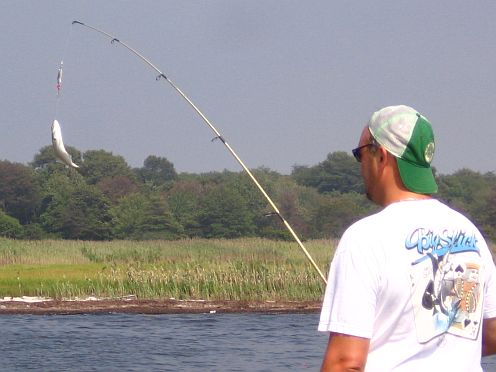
57,141
162,76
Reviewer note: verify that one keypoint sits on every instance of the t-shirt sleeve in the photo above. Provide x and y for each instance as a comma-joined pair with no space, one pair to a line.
350,300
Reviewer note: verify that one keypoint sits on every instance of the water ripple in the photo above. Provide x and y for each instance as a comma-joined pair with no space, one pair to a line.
186,342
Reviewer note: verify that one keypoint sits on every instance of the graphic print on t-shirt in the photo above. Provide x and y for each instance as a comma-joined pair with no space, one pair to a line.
446,291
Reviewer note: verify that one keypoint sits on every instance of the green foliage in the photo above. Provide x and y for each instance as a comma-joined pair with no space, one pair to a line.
465,188
249,269
116,187
339,211
339,172
473,194
183,199
10,227
34,231
87,216
19,191
225,214
253,206
157,171
99,164
140,217
488,212
106,199
46,158
73,209
296,204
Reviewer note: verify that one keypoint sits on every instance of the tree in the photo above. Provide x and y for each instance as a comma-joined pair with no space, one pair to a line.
467,191
99,164
157,170
116,187
488,213
474,194
87,216
338,211
224,213
184,200
19,191
257,206
74,210
46,158
10,226
296,204
339,172
139,216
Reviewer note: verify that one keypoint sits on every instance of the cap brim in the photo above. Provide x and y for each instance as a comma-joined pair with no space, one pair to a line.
417,179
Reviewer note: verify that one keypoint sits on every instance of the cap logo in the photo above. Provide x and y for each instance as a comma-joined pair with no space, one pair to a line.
429,152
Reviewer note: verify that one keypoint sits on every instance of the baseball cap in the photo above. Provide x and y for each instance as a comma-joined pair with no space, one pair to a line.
407,135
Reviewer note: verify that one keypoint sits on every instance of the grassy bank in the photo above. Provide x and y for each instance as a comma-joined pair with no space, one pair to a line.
241,269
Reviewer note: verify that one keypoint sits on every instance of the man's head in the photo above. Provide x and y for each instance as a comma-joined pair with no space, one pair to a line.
406,135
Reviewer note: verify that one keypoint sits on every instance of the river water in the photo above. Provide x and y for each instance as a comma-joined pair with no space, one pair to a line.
189,342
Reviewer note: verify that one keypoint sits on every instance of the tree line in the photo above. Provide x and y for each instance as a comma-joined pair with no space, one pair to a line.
107,199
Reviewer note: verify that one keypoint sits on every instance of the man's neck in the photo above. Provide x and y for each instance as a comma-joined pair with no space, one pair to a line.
404,196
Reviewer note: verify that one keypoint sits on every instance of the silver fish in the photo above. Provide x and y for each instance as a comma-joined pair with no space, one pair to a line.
58,146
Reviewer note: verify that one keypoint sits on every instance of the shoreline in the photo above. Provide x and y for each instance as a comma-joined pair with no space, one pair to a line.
132,305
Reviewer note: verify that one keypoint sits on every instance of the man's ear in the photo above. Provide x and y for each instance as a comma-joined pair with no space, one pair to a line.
383,155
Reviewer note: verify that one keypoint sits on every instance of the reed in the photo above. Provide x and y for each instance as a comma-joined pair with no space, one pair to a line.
241,269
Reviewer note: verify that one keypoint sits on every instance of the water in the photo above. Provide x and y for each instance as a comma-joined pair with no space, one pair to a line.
190,342
122,342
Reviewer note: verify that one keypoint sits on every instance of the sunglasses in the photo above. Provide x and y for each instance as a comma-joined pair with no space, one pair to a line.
357,153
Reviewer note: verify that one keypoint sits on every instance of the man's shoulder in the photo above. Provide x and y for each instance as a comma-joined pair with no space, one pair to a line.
363,226
400,213
430,213
371,220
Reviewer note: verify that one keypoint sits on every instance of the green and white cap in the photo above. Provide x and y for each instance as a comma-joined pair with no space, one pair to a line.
407,135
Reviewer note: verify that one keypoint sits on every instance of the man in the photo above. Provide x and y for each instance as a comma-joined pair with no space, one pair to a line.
413,287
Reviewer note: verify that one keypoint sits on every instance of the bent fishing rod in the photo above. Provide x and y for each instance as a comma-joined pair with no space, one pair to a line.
160,76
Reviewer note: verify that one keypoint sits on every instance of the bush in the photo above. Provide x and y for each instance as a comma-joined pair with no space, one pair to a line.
10,226
34,231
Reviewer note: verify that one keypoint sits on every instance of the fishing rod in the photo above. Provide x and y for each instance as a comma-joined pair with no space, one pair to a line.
160,76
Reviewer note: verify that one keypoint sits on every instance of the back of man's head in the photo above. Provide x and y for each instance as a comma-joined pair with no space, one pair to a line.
408,136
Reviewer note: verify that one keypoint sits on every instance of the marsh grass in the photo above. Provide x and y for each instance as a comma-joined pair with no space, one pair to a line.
240,269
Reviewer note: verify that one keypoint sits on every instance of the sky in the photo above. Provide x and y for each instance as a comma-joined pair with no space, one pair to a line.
284,82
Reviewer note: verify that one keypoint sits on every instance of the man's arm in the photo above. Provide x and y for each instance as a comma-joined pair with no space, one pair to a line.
345,353
489,336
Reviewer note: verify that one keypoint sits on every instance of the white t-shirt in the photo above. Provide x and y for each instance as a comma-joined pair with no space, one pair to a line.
416,279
